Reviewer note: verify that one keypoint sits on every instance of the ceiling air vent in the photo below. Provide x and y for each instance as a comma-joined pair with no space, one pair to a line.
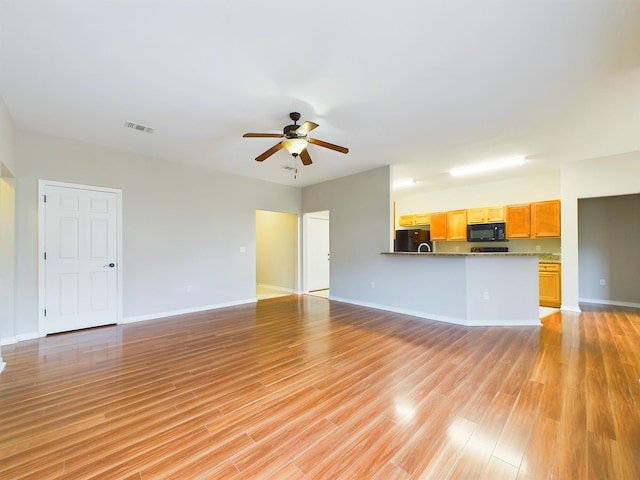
287,167
140,128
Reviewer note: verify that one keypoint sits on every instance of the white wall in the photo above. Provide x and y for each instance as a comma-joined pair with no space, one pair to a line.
7,138
598,177
182,225
360,207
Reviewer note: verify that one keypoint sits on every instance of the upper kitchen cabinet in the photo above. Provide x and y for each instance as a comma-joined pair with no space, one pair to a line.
486,214
422,218
456,225
545,219
439,226
406,220
414,220
519,221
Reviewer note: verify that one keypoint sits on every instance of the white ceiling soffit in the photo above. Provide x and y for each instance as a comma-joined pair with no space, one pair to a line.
423,85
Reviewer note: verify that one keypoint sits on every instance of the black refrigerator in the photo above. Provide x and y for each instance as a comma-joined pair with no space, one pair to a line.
410,240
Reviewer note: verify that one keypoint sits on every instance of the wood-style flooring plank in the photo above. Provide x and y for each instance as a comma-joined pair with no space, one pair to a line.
305,388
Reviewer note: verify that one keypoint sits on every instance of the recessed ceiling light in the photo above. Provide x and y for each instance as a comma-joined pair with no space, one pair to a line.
472,169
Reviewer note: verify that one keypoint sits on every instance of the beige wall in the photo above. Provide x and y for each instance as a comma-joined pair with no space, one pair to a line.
518,190
7,227
7,257
276,249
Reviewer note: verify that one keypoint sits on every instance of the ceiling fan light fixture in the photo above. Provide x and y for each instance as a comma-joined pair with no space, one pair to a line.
295,145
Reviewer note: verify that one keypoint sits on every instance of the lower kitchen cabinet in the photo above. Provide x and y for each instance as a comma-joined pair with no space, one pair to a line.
549,284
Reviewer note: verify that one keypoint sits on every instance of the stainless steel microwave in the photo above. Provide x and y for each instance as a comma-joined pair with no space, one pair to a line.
486,232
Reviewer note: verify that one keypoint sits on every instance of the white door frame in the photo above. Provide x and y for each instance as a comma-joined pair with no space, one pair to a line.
42,184
306,248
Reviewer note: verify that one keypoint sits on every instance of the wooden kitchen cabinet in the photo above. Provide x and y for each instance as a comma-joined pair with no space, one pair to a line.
545,219
406,220
518,221
439,226
422,218
457,225
486,214
549,284
414,219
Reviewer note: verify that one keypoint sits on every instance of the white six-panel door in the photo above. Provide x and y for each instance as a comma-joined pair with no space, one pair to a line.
80,258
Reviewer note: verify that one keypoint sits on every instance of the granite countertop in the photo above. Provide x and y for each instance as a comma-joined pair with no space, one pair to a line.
550,258
542,256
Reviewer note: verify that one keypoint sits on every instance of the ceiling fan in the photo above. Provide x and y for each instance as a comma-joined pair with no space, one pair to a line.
295,140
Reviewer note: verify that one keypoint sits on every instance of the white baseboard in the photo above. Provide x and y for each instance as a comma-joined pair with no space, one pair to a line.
8,340
570,308
158,315
276,288
442,318
403,311
19,338
614,303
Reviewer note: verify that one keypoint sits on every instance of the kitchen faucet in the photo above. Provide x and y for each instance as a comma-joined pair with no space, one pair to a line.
426,245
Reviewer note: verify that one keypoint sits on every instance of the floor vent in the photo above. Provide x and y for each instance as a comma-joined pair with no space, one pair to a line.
140,128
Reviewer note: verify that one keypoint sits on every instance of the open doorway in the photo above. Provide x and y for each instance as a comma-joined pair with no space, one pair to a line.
608,257
7,256
276,254
317,253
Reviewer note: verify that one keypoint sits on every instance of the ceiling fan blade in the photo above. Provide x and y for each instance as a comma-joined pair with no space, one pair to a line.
268,153
320,143
306,127
304,156
263,135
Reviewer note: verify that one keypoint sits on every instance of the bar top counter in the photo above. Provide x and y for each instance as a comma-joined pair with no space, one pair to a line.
469,254
466,288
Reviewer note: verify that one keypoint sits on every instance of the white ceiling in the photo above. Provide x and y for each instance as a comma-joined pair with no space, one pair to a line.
423,85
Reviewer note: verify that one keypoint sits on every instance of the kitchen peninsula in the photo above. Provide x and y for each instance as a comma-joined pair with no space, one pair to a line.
473,289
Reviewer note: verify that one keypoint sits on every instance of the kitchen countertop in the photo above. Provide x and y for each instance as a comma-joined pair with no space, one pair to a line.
543,257
466,254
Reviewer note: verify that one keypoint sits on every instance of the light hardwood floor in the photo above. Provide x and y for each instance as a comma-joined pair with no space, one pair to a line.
300,387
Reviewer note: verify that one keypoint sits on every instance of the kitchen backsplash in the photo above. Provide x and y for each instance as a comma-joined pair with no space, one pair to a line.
546,245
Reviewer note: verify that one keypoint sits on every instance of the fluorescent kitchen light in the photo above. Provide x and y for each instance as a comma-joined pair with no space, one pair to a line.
403,183
470,170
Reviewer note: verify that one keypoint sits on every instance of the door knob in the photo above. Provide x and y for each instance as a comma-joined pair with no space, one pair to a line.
111,265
